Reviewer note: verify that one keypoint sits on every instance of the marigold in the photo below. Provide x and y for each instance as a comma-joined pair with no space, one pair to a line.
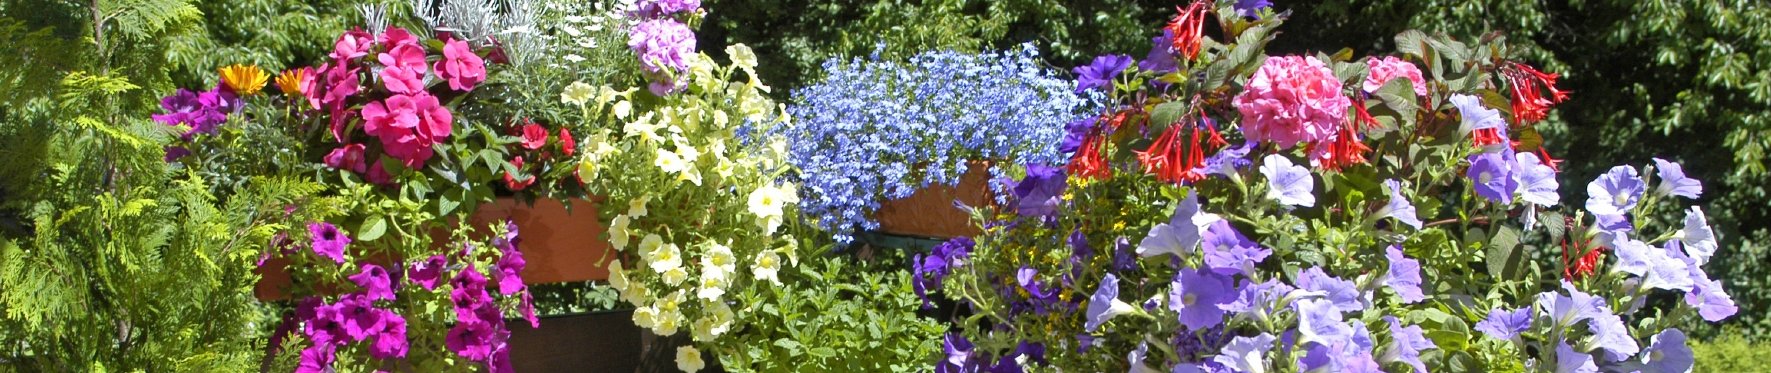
243,80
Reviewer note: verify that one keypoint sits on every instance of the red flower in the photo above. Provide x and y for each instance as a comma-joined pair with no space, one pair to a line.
1555,164
514,183
566,143
534,136
1179,162
1188,27
1588,258
1527,85
1088,163
1345,148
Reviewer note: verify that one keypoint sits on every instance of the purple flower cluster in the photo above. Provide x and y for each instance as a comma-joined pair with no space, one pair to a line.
352,319
655,9
961,356
198,112
665,47
929,270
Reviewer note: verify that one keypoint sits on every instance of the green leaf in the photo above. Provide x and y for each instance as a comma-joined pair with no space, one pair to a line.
373,227
1504,261
823,352
1412,42
1398,95
1167,113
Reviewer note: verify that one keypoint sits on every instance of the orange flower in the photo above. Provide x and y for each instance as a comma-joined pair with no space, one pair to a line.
243,80
290,80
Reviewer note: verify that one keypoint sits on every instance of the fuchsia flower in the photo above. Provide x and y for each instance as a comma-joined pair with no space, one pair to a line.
378,175
348,157
353,44
391,341
471,340
1292,99
375,282
403,68
408,125
317,358
360,318
427,273
1382,70
460,66
328,241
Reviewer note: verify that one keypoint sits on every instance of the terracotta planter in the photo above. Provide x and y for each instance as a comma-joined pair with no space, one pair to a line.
559,245
929,212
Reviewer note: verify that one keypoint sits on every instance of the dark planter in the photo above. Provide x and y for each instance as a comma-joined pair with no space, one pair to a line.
603,341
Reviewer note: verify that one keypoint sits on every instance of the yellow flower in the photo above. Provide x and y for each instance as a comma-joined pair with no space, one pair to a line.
290,81
244,80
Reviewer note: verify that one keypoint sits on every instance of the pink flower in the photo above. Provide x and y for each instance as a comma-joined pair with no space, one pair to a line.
348,157
1292,99
428,272
460,66
435,122
1384,69
404,71
378,175
408,125
352,44
566,143
534,137
391,341
396,36
514,183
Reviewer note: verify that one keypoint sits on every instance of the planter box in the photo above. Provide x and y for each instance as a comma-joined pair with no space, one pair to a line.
929,212
605,341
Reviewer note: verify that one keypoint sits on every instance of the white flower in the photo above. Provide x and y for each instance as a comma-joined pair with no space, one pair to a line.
719,256
669,162
685,148
645,317
618,232
623,109
573,58
768,265
722,317
767,202
651,243
713,282
688,359
666,258
1699,239
637,207
618,281
674,276
577,94
742,56
702,330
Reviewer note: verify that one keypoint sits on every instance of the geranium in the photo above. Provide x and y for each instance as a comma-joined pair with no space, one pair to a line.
460,66
1382,70
1291,99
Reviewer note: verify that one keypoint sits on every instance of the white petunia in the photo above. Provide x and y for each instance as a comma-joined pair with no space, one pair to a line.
619,233
688,359
767,267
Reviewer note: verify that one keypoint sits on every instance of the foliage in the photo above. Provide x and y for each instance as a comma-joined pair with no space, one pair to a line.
1730,352
834,314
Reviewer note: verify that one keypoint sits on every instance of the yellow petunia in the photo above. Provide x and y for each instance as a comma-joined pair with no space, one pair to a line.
244,80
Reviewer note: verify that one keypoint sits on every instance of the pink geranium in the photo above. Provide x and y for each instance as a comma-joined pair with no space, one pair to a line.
1292,99
460,66
1384,69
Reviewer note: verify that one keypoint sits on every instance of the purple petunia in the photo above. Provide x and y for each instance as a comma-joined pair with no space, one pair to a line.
1654,265
1320,322
1228,253
1349,355
1245,354
1288,183
1566,310
473,340
1198,296
375,282
201,112
429,272
931,269
1615,192
1667,352
1407,343
1476,116
328,241
1399,207
1711,301
650,9
1161,59
665,48
317,358
1251,8
1258,298
1105,303
1404,275
1180,235
1226,161
1673,181
958,351
509,271
1570,361
1698,239
1038,193
1075,132
1100,73
1504,324
391,341
1343,294
1492,174
361,319
1612,336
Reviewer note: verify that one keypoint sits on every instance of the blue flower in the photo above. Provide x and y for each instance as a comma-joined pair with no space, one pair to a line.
1251,8
1197,295
929,270
1493,175
1667,352
1100,73
1180,235
1226,161
1504,324
1612,336
1711,301
1404,275
1654,265
1320,322
1246,354
1673,181
1567,310
1697,237
1406,344
1343,294
1399,207
1039,192
1475,115
1258,298
1161,59
1570,361
1228,253
1537,181
1615,192
1105,303
1288,183
1349,355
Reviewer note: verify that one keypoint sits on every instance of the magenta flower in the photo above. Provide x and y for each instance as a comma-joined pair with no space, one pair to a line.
317,358
471,339
427,273
1382,70
510,272
353,44
328,241
361,319
375,282
402,64
325,327
1292,99
391,341
348,157
408,125
460,66
649,9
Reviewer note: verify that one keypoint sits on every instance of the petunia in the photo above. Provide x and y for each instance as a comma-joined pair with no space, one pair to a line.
1504,324
391,341
1180,235
1349,355
1161,58
1476,116
1407,344
427,273
1708,296
1612,336
1099,74
1492,174
1228,160
317,358
375,282
1656,268
1566,310
361,319
1228,253
328,241
1343,294
1251,8
1288,183
1615,192
1198,296
1105,303
470,340
688,359
326,326
1537,181
1667,352
958,352
1570,361
1038,193
1698,239
1320,322
1258,298
1136,359
1404,275
1399,207
1246,354
1673,181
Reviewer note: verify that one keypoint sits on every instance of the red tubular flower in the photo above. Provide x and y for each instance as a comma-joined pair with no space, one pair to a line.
1177,162
1345,148
1486,137
1188,27
1555,164
1574,268
1527,85
1089,163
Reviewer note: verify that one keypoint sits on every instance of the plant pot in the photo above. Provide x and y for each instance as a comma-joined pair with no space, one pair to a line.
603,341
929,212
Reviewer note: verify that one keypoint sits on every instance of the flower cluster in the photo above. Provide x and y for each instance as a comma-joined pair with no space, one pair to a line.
197,112
1291,100
879,130
663,43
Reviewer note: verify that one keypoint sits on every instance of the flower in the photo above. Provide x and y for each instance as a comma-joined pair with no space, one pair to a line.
534,136
1197,294
1504,324
768,203
408,125
403,67
1698,240
637,206
1180,234
202,112
243,80
1612,336
1673,181
427,273
515,183
353,44
1251,8
1615,192
577,93
688,359
1100,73
1343,294
1320,322
361,319
1160,59
1404,275
391,341
1228,253
1478,120
1188,26
1667,352
460,66
1288,183
1565,311
1291,99
317,358
1228,160
1245,354
1493,177
1570,361
375,282
1382,70
1105,303
1407,345
1038,194
348,157
618,232
768,264
567,145
931,269
664,258
328,242
1657,269
471,339
1258,298
1526,85
1399,207
663,8
290,81
665,47
1537,181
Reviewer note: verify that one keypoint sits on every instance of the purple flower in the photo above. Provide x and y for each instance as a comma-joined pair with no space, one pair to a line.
1105,303
958,351
1343,294
1504,324
317,358
1349,355
173,153
509,271
1100,73
1320,322
1399,207
328,241
1038,193
1407,343
1475,115
665,47
1567,310
1288,183
1615,224
1161,59
374,281
1028,279
1075,133
931,269
1136,359
202,112
1537,181
1228,253
427,273
1198,296
649,9
391,341
361,319
1654,265
325,326
1251,8
1698,239
1615,192
1673,181
1711,301
1404,275
1246,354
1258,298
1611,335
1179,235
1493,177
1570,361
472,340
1125,257
1226,161
1667,352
